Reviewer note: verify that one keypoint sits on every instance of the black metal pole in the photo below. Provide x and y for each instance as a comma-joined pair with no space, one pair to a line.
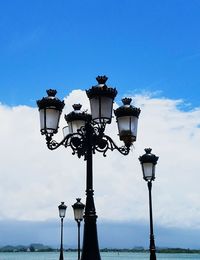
152,247
90,250
61,243
79,251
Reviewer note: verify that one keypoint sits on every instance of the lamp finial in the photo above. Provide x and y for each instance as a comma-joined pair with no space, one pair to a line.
148,150
101,79
51,92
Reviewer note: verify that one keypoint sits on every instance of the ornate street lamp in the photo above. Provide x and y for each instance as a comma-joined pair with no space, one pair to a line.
148,162
127,120
62,209
85,135
78,208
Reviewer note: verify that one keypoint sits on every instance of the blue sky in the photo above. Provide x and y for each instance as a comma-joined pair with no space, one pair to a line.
140,45
143,47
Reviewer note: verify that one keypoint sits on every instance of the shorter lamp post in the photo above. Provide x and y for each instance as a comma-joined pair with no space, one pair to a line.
148,162
78,208
62,209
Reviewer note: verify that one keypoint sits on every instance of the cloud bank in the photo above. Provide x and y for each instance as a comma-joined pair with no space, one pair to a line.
34,180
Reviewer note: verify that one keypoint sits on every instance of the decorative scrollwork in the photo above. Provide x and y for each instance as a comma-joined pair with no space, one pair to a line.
79,141
106,143
51,144
77,144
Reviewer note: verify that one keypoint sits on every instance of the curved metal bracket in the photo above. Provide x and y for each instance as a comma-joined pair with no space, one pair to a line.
78,142
106,143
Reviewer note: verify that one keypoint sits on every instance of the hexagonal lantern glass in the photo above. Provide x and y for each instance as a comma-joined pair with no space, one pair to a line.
127,125
148,170
75,125
49,120
65,131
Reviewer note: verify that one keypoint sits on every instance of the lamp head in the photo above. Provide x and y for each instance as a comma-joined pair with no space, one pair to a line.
50,109
148,162
127,120
78,208
101,101
62,210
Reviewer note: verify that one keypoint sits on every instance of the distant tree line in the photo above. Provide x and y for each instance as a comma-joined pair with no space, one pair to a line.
30,248
43,248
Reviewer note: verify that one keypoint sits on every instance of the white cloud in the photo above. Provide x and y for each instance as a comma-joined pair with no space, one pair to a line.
34,180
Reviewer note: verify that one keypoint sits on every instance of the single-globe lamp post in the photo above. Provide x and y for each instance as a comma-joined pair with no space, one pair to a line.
62,210
78,208
85,134
148,162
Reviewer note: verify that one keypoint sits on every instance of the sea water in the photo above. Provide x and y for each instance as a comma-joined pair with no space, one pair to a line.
104,256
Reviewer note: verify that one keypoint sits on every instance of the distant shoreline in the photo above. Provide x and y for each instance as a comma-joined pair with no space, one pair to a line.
44,248
158,250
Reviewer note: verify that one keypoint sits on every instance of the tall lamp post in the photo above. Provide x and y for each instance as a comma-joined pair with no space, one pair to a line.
148,162
62,210
85,135
78,208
